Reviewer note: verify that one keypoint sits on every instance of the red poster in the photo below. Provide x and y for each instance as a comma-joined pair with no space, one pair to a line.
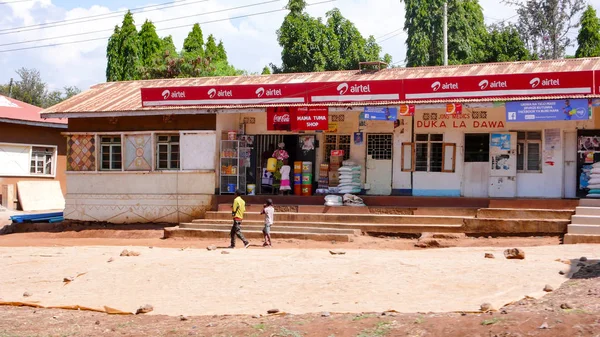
597,81
279,118
311,119
406,110
453,109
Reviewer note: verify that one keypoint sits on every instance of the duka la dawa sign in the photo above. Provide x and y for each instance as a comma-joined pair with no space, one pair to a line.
470,119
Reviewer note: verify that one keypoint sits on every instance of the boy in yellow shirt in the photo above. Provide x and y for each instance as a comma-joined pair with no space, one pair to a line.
237,212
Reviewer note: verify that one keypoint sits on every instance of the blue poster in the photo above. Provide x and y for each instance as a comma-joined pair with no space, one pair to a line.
380,113
501,141
544,111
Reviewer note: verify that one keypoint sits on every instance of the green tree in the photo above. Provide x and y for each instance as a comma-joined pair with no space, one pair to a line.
221,53
194,42
167,45
266,71
588,38
149,43
113,58
129,49
466,32
31,89
504,44
544,25
211,51
423,25
57,96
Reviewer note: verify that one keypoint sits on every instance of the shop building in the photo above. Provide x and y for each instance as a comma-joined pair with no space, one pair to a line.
158,151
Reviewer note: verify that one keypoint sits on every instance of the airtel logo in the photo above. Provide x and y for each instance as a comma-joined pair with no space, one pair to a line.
212,93
269,93
437,85
494,85
221,93
342,88
175,94
260,92
548,82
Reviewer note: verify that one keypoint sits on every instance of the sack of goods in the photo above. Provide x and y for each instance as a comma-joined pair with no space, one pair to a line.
349,178
352,200
593,184
333,200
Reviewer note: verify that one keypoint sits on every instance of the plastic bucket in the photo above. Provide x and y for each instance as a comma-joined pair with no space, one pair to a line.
231,188
306,190
307,179
232,135
297,178
250,189
297,167
271,164
297,189
307,167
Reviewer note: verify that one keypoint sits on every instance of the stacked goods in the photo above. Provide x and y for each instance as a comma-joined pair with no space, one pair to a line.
349,178
335,162
324,176
298,178
307,178
593,183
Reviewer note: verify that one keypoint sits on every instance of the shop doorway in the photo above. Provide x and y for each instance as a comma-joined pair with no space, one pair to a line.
476,165
570,179
503,168
379,164
297,148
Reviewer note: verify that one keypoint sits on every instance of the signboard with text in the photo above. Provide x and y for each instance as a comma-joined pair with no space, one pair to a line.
380,113
279,119
310,119
355,91
550,110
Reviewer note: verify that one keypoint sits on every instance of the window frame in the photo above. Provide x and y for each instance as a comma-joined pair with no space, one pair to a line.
29,147
525,148
169,143
429,143
52,160
336,145
111,144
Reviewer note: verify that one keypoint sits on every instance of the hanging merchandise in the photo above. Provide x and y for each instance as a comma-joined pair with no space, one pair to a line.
281,153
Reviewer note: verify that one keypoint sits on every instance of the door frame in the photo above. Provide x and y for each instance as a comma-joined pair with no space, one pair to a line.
366,140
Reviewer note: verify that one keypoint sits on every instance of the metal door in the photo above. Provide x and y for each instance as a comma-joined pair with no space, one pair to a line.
503,160
379,164
570,153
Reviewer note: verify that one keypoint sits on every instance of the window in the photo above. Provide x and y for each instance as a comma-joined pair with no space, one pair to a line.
167,152
529,146
110,146
429,152
477,148
337,142
42,160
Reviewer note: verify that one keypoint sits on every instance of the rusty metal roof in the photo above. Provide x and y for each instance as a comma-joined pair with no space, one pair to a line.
125,96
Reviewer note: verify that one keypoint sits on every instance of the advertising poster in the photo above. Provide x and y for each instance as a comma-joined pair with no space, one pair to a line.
453,109
407,110
358,138
501,141
279,119
551,110
380,113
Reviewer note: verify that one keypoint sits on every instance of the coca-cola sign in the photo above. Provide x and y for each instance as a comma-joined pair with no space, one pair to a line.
279,119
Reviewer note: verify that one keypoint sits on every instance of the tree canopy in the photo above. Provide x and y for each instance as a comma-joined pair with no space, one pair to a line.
588,38
31,89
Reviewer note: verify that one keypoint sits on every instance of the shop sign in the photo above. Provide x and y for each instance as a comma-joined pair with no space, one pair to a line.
224,94
310,119
453,109
469,119
406,110
380,113
538,84
332,128
355,91
279,119
550,110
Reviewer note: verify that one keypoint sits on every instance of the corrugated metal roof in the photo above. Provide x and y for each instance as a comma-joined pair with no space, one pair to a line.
125,96
15,111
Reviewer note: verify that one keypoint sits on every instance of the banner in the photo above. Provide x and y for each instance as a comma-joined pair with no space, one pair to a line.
380,113
310,119
407,110
551,110
453,109
279,119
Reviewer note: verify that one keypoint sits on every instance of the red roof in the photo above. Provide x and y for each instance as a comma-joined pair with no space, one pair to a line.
14,111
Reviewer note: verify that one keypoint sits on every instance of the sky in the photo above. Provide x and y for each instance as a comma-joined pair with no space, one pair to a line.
250,40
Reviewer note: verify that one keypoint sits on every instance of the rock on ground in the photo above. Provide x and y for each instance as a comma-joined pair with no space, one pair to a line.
514,253
144,309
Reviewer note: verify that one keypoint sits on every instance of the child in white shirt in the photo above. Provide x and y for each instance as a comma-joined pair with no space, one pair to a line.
269,212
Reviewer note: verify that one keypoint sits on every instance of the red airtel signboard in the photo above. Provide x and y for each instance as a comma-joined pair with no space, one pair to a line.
355,91
597,81
535,84
224,95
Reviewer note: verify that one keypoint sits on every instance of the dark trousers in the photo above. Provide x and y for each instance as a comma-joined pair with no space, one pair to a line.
236,230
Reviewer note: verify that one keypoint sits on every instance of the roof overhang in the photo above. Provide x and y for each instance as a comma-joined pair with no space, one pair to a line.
32,123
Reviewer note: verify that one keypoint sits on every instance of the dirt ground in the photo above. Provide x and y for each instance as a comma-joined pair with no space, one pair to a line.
579,296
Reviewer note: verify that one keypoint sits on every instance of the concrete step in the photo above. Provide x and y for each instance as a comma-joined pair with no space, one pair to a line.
245,227
580,238
515,213
589,202
586,219
515,226
584,229
364,227
585,210
177,232
341,218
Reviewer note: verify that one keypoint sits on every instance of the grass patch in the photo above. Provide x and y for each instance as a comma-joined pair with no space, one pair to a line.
491,321
363,316
419,320
380,330
289,333
576,311
260,326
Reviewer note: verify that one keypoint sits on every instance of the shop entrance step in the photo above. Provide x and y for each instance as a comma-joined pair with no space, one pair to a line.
178,232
